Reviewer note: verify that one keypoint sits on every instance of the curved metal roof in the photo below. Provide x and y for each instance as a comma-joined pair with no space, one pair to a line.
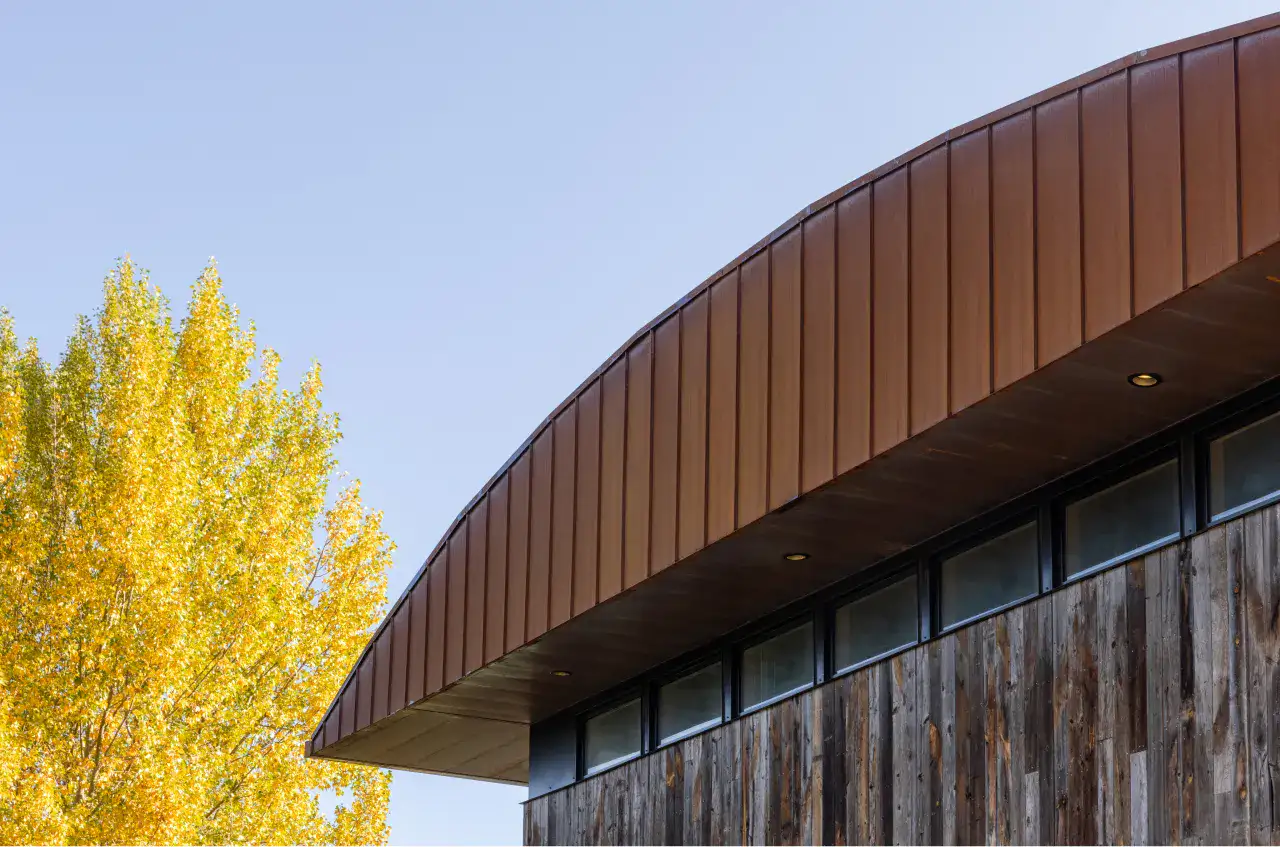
941,308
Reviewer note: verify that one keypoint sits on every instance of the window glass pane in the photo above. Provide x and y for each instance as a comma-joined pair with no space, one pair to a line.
690,703
781,664
990,575
1244,467
1106,526
877,623
613,736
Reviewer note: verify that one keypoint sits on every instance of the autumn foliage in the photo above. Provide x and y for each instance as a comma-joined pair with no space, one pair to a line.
184,581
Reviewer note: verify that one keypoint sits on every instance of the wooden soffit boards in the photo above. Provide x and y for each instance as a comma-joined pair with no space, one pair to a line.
916,296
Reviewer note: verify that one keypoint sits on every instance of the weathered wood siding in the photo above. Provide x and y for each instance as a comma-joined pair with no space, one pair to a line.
1141,706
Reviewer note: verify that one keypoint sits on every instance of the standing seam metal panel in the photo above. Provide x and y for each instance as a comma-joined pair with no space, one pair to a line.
587,489
666,445
906,297
495,615
477,582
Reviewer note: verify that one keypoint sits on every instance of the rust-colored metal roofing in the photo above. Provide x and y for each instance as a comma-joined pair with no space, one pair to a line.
926,342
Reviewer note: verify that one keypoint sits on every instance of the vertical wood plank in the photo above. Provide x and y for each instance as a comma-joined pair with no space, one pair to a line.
1013,249
699,776
936,726
950,740
1064,604
1083,772
1136,675
586,540
455,565
635,565
666,445
1196,778
1231,765
853,330
1031,807
1058,269
1158,685
1010,646
880,799
1209,133
890,310
930,293
1258,70
784,368
970,269
722,410
541,476
613,422
1256,649
980,765
438,597
858,761
817,446
416,683
726,813
477,583
1180,708
517,554
996,792
755,777
1104,131
1041,654
812,773
670,793
902,684
1156,126
1138,817
753,390
836,790
1112,650
694,355
964,706
495,615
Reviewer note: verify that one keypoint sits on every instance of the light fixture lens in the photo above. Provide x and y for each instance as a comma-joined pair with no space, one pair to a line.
796,557
561,673
1145,380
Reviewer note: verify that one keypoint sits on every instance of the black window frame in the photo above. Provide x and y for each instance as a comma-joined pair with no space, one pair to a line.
1113,477
620,698
758,638
675,674
1031,517
1233,423
875,582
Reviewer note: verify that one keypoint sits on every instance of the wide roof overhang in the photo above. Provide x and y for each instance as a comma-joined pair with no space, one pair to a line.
947,333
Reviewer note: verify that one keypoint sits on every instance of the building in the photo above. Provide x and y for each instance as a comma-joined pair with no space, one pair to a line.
948,512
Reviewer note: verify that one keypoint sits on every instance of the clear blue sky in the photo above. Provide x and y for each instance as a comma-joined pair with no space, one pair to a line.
461,209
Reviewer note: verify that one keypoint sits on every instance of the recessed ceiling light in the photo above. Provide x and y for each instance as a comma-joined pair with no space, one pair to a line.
1145,380
561,673
796,557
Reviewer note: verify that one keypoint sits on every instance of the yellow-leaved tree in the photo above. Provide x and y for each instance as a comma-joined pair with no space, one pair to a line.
182,592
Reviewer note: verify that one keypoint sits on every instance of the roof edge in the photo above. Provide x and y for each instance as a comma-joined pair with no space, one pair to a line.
1163,51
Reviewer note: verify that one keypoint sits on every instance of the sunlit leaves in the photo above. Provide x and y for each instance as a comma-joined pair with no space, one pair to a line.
184,590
